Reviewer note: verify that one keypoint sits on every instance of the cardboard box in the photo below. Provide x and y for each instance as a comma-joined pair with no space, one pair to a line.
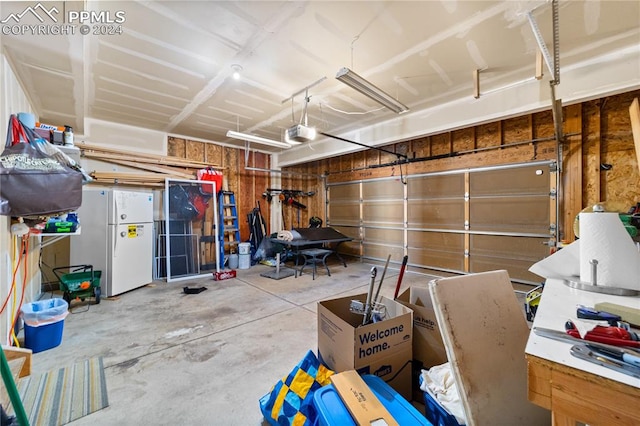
383,348
428,348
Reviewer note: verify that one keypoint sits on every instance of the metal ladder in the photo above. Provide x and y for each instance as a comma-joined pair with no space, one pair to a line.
229,234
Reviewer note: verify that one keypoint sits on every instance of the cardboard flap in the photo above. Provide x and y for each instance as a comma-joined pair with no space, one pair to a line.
485,334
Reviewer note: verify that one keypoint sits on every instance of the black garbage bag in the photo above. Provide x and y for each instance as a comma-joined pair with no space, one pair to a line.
180,204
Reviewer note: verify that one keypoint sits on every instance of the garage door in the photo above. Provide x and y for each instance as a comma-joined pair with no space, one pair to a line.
464,221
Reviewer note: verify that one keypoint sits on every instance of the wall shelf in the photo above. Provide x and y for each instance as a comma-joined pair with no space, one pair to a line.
53,237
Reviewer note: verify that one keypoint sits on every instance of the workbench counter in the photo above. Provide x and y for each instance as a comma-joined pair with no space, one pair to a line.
575,389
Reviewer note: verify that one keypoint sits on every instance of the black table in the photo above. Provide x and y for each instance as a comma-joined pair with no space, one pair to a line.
327,238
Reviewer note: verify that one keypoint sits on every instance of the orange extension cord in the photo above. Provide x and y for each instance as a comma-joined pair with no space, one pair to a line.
22,257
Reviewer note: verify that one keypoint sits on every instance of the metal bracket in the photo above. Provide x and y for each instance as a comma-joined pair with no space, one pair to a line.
553,64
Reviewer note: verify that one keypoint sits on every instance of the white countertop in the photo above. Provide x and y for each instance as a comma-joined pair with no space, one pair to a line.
557,305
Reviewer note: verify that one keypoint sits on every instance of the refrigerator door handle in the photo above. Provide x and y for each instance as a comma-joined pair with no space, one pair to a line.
115,241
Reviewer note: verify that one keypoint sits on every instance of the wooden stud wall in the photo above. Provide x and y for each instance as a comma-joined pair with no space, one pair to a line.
307,179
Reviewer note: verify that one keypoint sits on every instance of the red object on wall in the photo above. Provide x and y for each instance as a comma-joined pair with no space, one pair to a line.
212,175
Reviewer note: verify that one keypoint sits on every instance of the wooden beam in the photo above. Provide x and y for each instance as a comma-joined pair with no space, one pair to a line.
132,176
597,152
147,157
539,65
476,83
116,181
572,171
634,111
166,170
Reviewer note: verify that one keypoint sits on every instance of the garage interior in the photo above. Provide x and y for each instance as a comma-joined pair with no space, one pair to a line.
520,115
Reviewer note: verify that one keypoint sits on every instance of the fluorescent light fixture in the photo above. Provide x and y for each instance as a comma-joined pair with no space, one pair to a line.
256,139
363,86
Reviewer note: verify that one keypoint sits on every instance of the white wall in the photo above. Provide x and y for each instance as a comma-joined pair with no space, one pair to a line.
127,138
13,101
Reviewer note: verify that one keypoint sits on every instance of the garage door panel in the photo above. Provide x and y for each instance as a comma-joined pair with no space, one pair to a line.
511,214
382,190
436,249
449,240
350,193
445,214
434,258
531,248
436,186
510,181
382,251
384,236
515,254
344,214
390,213
349,231
518,270
351,248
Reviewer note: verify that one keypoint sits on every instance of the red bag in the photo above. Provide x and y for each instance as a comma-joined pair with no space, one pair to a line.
209,174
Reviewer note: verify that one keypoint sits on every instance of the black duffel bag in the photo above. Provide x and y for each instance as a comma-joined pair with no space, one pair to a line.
32,182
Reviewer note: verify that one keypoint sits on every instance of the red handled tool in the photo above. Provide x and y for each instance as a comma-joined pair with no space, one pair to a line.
402,268
616,336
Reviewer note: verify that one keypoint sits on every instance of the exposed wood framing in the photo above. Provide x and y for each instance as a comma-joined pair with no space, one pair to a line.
634,112
572,176
597,150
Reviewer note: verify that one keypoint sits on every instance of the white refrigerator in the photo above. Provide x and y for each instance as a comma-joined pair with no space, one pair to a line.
116,238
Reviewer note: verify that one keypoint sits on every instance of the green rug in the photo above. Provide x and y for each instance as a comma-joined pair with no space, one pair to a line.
63,395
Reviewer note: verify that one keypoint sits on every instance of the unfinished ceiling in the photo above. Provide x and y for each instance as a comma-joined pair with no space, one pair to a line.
167,65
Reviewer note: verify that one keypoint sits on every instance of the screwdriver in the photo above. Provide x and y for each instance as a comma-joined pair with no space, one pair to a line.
585,312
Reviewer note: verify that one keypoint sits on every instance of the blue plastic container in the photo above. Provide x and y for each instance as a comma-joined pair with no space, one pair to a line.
44,337
44,323
437,415
332,411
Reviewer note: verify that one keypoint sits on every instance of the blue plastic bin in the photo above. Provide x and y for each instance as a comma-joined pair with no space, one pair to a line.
332,411
436,414
44,323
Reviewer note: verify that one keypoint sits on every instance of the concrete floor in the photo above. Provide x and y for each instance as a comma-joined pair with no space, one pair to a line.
203,359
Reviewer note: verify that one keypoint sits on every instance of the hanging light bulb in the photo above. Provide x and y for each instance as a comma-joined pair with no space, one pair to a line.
236,71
